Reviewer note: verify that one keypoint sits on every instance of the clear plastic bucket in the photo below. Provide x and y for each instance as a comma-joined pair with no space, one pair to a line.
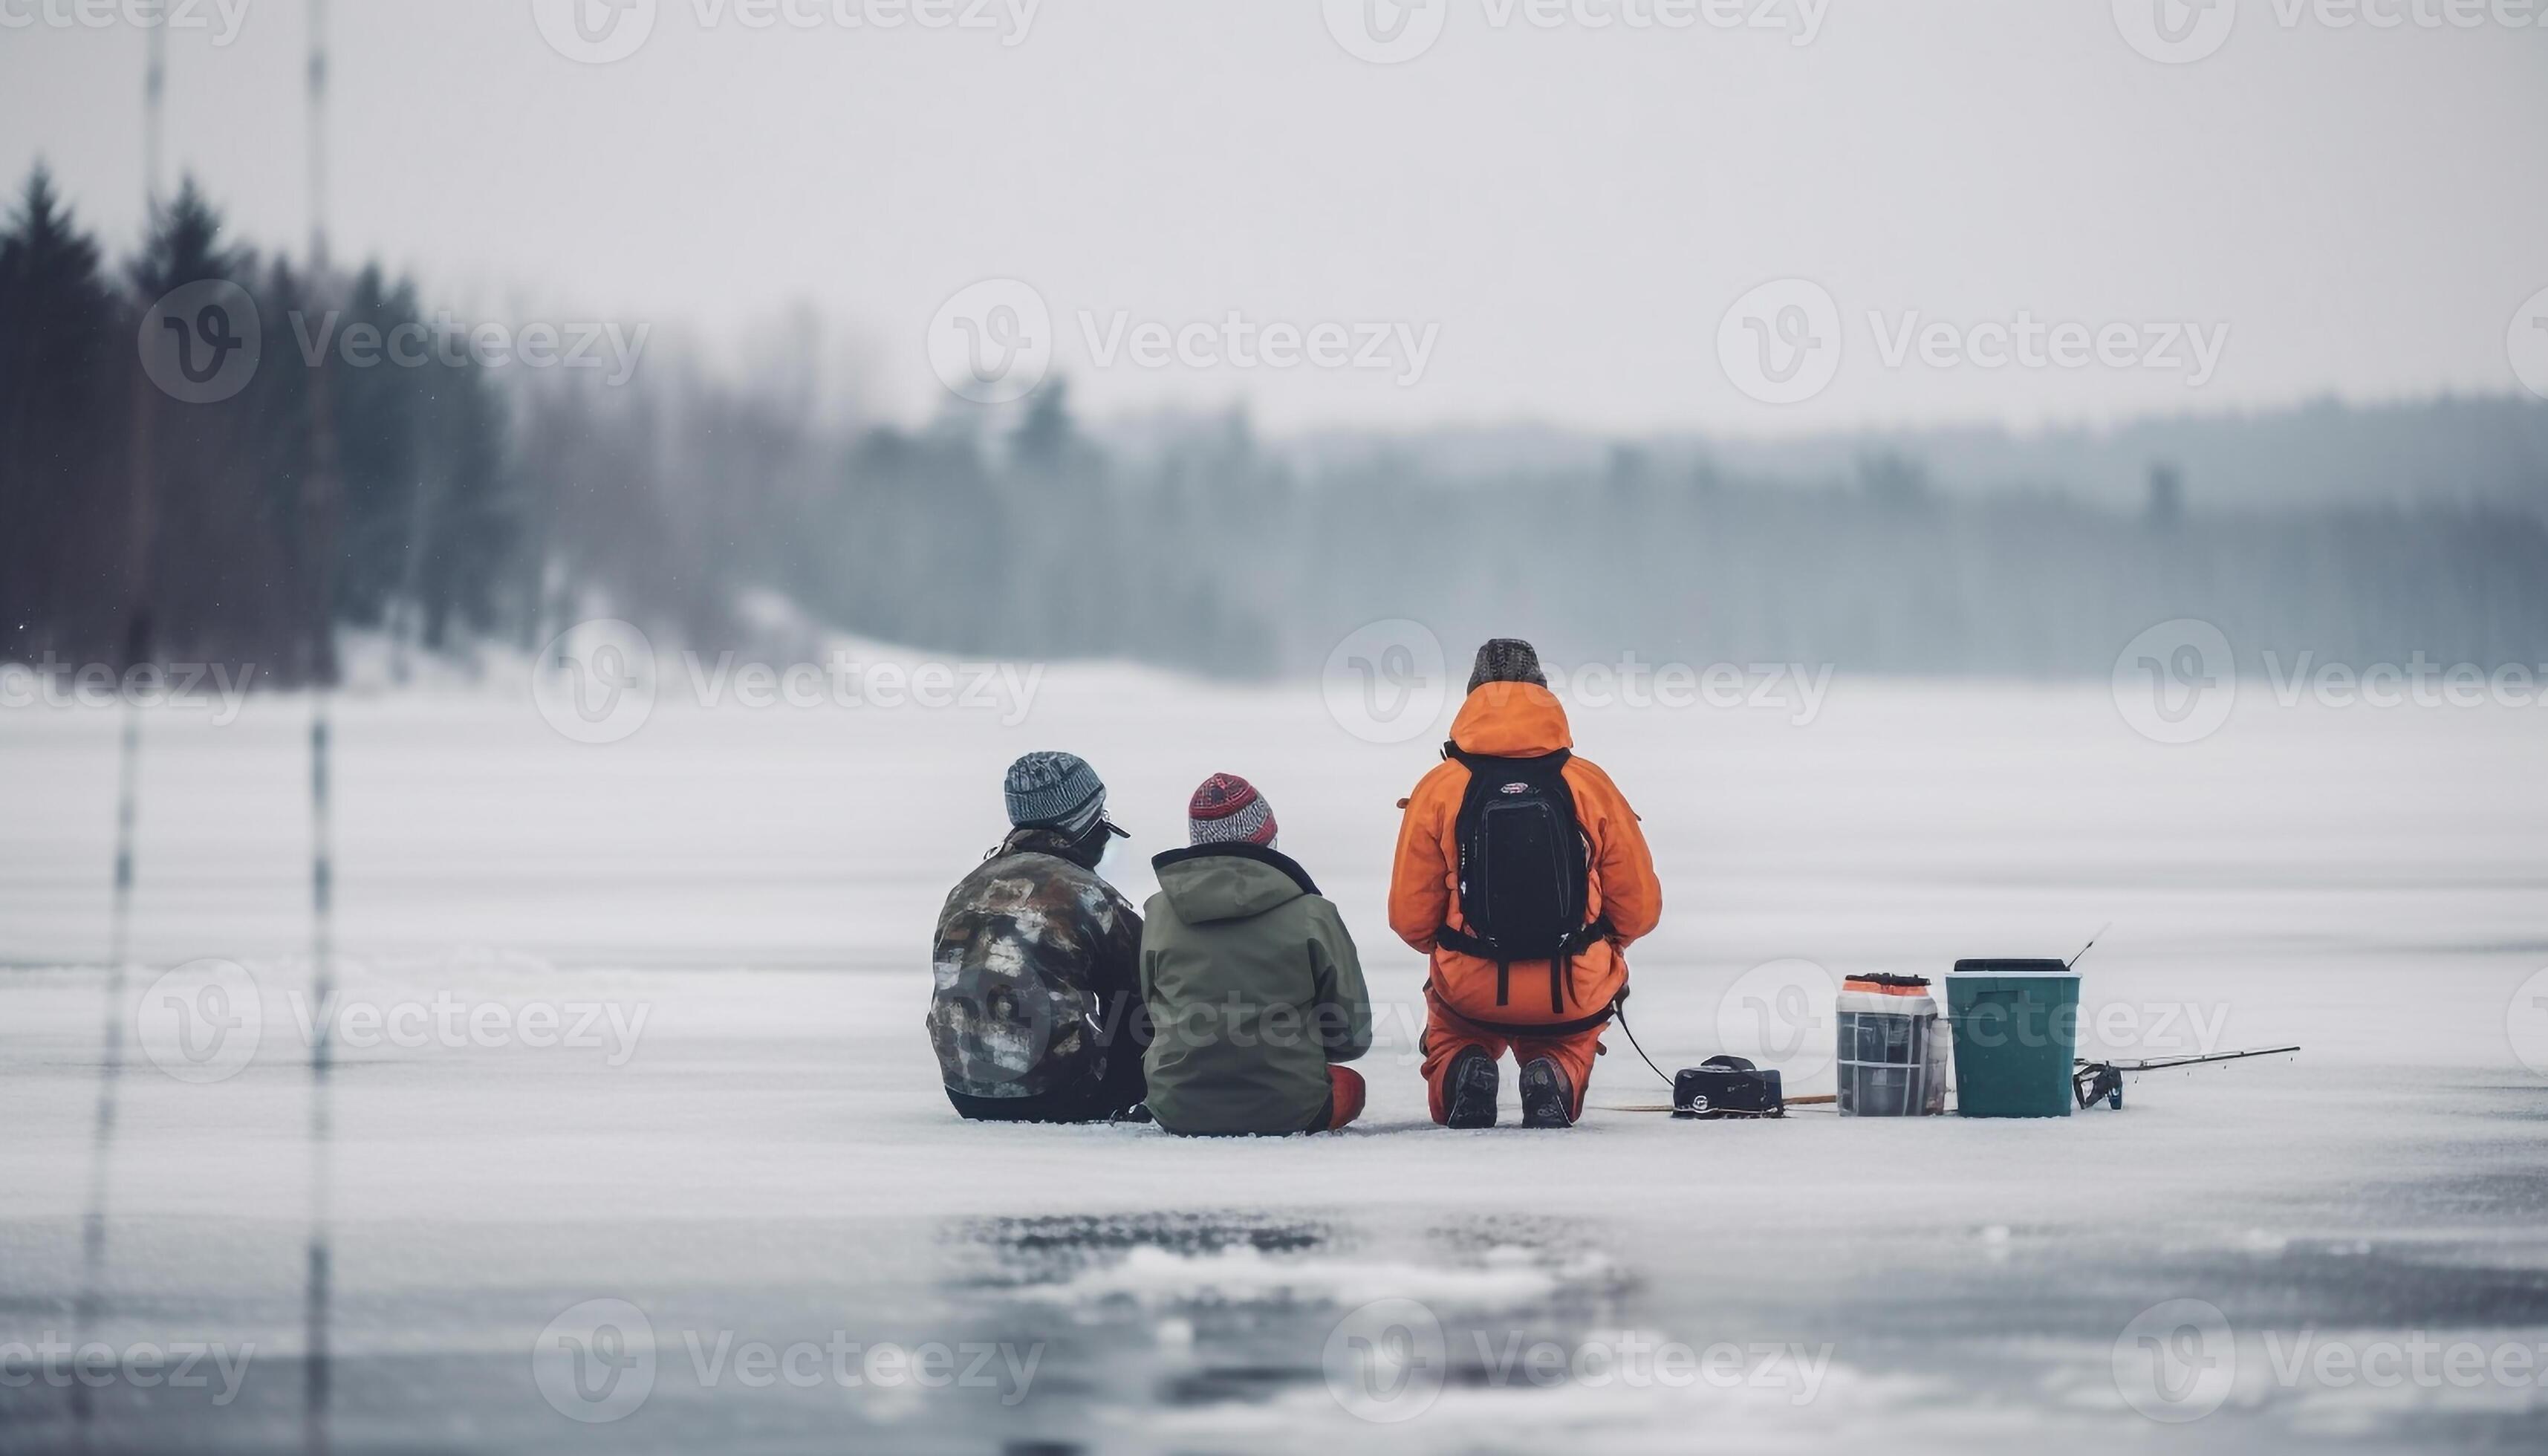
1893,1048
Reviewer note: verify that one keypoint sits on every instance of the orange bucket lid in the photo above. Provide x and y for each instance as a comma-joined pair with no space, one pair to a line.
1887,985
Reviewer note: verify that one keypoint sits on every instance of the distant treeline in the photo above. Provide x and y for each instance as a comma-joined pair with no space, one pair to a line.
482,504
133,521
2451,449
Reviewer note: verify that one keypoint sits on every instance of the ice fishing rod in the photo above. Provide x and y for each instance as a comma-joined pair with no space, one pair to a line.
2074,960
2095,1079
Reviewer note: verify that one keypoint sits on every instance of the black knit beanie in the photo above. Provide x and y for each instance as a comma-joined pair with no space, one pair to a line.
1507,660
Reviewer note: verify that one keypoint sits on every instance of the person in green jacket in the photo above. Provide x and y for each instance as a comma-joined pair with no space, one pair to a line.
1253,988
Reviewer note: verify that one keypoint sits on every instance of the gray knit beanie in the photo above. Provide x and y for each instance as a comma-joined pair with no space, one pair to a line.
1507,660
1055,790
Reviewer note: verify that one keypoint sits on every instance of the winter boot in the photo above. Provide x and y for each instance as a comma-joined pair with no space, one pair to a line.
1469,1090
1546,1100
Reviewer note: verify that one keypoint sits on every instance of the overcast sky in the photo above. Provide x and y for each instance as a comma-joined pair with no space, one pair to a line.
1569,212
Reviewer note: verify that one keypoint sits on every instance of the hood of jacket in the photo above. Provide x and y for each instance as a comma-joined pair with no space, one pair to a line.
1217,882
1511,720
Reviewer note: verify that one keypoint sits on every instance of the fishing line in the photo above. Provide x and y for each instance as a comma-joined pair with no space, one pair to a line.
1620,1010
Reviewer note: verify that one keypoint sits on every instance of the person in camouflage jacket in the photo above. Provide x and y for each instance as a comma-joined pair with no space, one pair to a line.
1035,1014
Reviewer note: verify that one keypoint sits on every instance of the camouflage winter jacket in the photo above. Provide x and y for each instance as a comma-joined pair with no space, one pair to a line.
1034,955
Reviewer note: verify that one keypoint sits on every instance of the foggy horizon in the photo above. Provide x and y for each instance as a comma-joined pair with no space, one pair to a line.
1573,210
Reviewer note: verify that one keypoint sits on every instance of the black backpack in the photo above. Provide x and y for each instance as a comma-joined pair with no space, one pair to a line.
1522,870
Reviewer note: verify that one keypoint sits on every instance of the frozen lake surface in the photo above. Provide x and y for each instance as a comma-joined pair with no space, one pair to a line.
734,1137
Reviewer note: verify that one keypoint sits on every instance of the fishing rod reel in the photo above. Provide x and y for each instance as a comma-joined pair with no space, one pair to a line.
2091,1080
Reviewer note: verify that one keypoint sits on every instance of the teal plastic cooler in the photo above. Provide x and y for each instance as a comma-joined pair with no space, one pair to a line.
2016,1030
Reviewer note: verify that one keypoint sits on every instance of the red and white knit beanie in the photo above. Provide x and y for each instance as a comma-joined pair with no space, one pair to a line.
1228,810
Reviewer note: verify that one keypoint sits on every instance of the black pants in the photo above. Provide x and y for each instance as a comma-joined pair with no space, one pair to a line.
1090,1100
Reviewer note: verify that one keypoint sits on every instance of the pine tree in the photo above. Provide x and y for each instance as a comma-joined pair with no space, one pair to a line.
58,320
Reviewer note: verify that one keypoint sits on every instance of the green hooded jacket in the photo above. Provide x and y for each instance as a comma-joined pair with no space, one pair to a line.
1252,987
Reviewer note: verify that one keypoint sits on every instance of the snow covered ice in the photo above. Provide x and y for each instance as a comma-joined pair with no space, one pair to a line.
640,1024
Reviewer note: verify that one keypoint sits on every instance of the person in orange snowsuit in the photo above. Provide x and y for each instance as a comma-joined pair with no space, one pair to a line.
1506,852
